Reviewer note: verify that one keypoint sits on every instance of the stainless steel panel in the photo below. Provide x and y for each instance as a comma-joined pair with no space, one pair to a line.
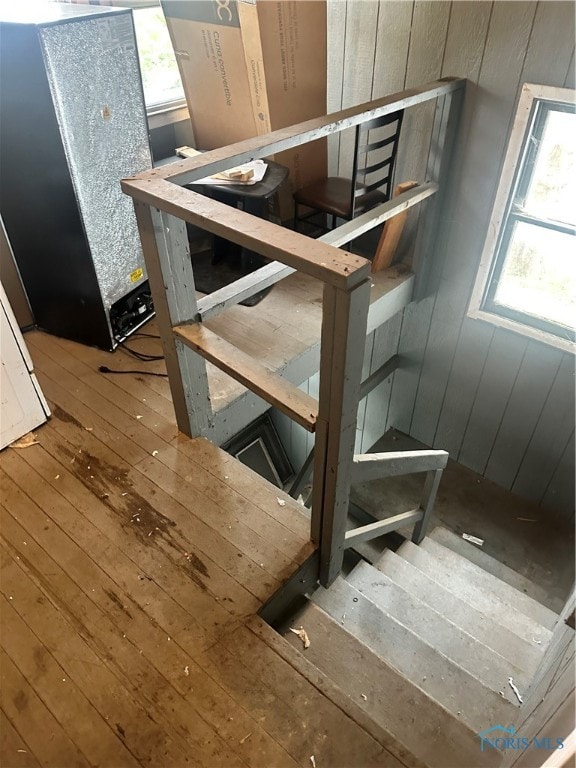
94,77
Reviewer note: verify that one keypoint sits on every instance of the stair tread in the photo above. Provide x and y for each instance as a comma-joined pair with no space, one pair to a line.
419,722
486,602
488,563
418,661
482,662
481,577
526,654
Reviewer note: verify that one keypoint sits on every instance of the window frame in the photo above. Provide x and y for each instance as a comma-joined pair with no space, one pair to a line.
163,112
534,104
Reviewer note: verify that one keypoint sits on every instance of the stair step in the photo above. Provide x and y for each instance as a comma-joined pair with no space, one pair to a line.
484,664
524,654
483,560
419,722
491,584
489,603
458,691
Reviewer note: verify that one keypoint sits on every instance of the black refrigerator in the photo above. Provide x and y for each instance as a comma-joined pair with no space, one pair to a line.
72,124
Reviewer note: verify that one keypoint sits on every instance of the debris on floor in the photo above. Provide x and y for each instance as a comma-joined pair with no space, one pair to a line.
515,689
26,441
473,539
313,761
281,502
302,634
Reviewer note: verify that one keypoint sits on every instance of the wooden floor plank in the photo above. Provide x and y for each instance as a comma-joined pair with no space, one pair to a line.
24,708
160,520
293,712
123,656
133,406
235,474
95,598
265,538
150,731
57,380
104,609
141,563
93,735
212,484
13,749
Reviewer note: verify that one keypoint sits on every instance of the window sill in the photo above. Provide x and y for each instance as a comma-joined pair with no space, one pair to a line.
158,117
566,345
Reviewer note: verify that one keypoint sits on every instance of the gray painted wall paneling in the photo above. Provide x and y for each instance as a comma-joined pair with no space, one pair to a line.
463,57
392,42
497,402
503,361
527,399
469,359
570,79
560,492
554,429
336,21
377,403
427,40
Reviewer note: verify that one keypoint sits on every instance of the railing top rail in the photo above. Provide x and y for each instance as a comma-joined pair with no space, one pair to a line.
339,268
189,170
161,188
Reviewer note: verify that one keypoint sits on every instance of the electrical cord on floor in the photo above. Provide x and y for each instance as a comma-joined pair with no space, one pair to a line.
143,357
105,369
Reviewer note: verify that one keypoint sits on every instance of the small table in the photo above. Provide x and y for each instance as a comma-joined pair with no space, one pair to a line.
252,198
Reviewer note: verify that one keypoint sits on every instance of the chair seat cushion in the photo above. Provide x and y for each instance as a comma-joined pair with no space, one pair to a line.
332,195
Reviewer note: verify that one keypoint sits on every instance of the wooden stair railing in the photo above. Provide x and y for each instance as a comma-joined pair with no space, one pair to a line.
163,206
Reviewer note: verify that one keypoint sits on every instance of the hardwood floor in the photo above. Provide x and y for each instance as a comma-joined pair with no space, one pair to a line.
134,561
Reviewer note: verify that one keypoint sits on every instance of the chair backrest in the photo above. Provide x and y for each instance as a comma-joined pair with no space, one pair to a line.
375,151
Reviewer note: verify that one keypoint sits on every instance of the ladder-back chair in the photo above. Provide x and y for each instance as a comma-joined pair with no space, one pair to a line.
375,150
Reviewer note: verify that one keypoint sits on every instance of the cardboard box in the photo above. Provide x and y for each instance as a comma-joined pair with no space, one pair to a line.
252,66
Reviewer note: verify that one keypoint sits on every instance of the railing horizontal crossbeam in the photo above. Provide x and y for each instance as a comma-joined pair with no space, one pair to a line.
379,528
269,274
339,268
375,466
260,379
192,169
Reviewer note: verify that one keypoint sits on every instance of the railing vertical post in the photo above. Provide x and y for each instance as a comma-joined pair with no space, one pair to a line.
344,319
440,159
431,484
167,256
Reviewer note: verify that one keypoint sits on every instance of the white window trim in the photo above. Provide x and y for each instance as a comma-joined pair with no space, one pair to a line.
162,113
530,93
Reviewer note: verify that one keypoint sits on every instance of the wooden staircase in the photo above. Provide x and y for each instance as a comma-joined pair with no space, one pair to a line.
426,642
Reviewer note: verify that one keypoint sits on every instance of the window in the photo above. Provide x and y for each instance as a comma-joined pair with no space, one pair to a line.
160,75
527,276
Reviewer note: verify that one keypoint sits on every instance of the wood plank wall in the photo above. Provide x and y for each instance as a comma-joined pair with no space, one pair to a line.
501,404
549,705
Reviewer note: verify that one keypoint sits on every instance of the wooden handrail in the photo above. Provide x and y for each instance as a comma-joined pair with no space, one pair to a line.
375,466
192,169
313,257
162,206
